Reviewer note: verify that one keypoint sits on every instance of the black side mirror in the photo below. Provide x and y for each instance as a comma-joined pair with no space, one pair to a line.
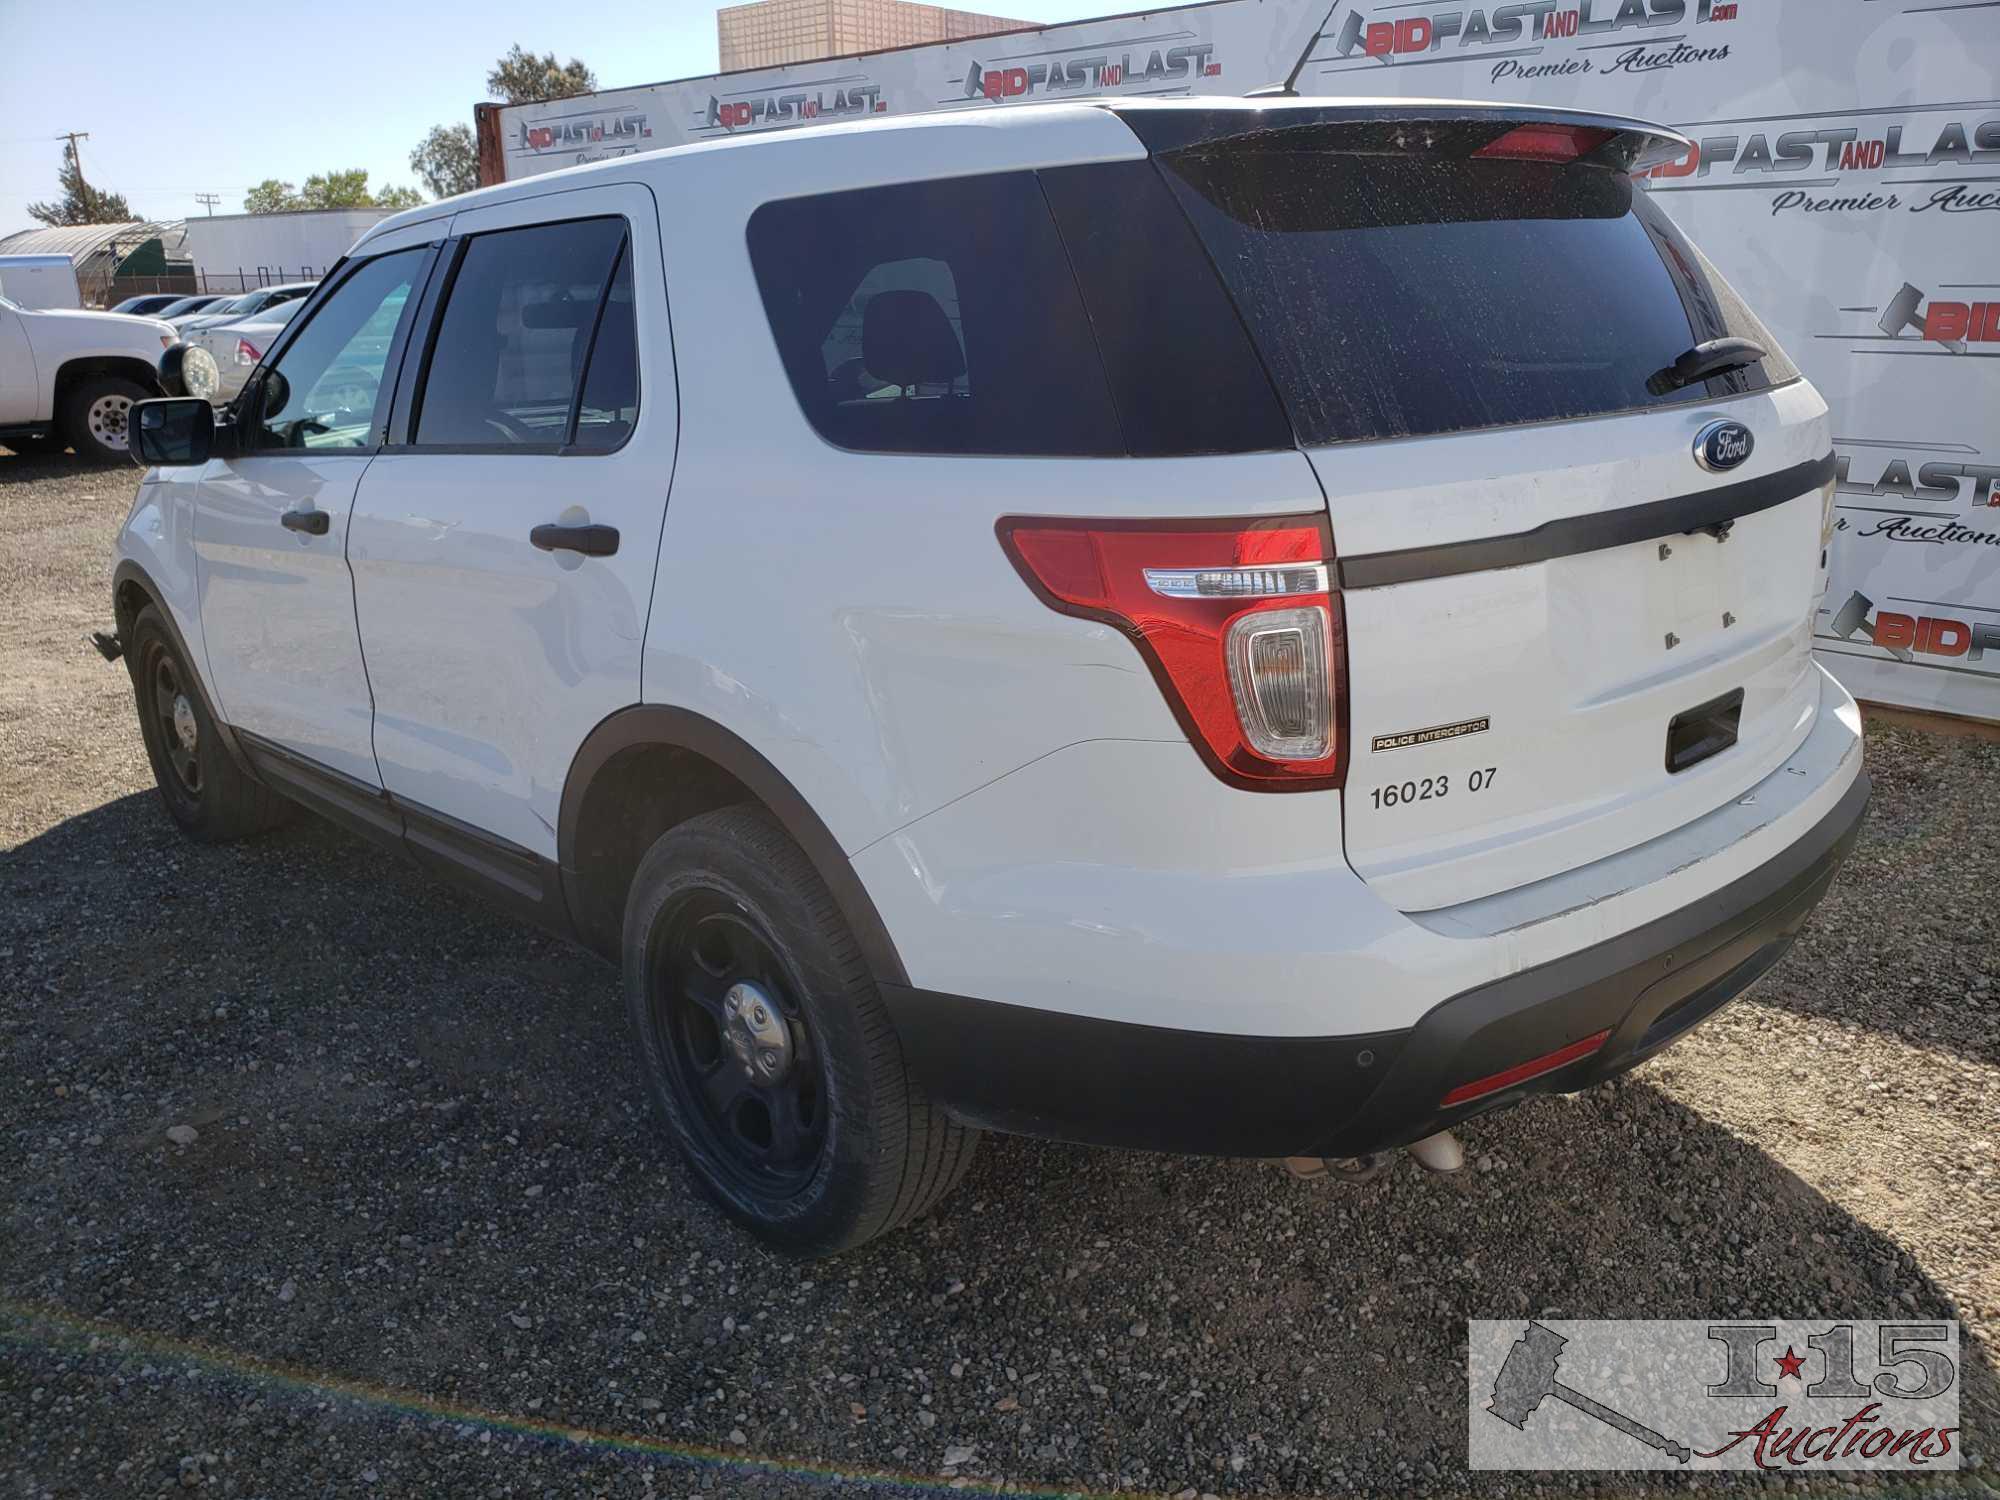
189,370
176,430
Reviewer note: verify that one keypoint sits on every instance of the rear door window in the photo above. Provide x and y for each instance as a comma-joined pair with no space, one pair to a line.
519,318
936,317
1398,294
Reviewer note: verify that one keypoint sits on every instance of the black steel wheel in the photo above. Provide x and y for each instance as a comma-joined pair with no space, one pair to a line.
728,1023
766,1047
205,790
173,710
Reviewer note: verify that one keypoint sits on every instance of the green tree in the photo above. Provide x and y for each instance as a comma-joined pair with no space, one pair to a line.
80,202
447,160
348,189
270,197
345,189
522,78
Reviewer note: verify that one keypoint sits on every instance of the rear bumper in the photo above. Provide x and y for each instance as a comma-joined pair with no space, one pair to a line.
1101,1082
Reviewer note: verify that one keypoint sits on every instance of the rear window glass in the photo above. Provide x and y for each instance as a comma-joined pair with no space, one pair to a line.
936,317
1396,296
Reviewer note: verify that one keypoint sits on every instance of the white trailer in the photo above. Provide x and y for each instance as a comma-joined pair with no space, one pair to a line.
250,250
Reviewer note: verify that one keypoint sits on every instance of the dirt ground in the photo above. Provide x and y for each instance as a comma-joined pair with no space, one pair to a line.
427,1238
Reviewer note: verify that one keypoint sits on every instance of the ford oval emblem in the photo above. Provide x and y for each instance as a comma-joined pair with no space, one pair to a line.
1722,445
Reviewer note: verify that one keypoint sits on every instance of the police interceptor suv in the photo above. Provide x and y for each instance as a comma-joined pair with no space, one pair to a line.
1264,628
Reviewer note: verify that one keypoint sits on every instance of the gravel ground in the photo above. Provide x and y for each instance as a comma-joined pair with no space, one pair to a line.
323,1180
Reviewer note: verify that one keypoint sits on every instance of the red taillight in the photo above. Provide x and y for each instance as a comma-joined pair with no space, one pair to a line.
1535,1067
1237,619
1555,143
246,352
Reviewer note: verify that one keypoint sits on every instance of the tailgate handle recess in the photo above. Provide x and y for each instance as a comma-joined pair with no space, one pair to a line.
1707,730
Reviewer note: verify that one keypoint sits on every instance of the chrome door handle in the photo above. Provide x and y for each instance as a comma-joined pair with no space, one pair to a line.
312,522
591,541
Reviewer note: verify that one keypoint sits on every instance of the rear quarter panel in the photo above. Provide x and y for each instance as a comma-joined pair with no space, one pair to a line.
852,615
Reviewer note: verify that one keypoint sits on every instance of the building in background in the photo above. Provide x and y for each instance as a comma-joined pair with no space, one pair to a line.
767,33
114,261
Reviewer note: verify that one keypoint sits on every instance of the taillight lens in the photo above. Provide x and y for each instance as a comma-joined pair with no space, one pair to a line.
246,352
1237,619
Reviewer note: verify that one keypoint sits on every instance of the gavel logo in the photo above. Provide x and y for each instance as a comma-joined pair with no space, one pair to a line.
1530,1374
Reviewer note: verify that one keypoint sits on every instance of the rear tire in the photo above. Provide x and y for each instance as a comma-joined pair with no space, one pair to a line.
793,1106
97,417
205,791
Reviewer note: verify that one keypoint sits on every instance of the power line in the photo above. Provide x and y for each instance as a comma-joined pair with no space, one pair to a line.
208,200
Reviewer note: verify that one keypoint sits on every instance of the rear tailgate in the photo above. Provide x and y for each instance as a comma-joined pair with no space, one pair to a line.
1572,624
1510,722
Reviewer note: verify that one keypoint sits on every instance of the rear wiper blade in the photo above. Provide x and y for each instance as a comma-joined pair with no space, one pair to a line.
1716,357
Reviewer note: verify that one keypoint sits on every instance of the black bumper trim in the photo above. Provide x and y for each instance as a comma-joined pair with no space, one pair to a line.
1032,1071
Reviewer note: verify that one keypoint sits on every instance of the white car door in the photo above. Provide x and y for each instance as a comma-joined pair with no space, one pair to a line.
277,603
503,546
19,388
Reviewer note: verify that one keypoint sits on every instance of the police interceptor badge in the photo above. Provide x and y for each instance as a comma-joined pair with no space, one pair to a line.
1432,736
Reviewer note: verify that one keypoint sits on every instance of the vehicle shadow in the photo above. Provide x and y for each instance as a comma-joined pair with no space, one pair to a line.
425,1167
25,468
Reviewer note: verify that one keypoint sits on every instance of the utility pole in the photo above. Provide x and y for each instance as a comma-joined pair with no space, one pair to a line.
208,201
82,187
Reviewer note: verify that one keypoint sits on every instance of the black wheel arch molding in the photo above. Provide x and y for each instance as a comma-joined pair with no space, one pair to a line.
130,575
669,727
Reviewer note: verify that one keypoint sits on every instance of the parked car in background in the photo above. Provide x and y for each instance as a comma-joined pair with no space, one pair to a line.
205,309
187,307
148,304
245,304
69,378
237,347
1240,669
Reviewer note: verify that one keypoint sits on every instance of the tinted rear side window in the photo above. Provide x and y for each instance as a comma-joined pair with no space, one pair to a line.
1401,295
936,317
1183,373
610,403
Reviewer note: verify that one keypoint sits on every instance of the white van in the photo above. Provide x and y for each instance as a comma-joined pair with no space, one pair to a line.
1265,628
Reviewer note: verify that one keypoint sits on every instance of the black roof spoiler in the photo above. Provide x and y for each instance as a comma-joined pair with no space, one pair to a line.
1402,127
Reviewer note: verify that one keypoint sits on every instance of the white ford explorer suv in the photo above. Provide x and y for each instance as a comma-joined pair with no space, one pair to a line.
1263,629
70,378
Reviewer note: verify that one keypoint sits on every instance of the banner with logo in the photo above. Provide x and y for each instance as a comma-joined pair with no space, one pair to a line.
1846,178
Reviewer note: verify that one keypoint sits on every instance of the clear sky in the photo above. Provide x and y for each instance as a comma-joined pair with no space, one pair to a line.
205,97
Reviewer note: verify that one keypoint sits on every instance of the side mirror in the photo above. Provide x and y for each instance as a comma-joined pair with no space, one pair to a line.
189,370
175,431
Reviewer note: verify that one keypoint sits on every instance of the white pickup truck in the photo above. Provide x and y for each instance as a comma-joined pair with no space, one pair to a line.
68,378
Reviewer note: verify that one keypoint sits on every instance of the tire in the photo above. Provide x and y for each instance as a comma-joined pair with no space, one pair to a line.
835,1145
96,417
205,791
